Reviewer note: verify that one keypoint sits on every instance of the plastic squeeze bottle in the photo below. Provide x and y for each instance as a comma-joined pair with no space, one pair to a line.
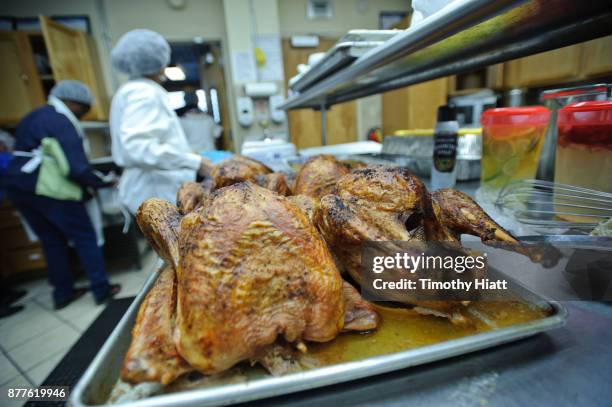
444,168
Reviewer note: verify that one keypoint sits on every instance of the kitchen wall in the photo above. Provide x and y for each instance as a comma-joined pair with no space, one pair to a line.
348,15
216,20
243,21
196,18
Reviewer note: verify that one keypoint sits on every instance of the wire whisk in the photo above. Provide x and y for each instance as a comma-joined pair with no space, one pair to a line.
545,204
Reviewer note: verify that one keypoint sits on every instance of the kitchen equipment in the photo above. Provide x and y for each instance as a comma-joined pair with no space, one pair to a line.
555,99
584,147
413,149
96,383
546,205
515,97
344,150
469,108
271,152
512,140
350,47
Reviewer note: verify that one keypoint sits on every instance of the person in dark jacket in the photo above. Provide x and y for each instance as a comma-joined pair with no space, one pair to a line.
47,181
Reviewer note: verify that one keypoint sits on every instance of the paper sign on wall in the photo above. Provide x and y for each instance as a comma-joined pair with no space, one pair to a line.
272,69
243,67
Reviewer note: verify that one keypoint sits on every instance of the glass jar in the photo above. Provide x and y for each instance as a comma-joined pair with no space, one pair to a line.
584,148
556,99
511,144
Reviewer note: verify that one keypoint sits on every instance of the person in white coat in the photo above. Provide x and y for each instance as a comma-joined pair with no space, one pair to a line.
147,138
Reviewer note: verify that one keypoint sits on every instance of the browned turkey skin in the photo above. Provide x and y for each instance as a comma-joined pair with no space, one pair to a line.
152,355
252,267
237,169
390,204
159,221
318,176
192,195
252,270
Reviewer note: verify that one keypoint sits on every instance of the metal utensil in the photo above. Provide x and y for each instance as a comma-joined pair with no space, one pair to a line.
547,204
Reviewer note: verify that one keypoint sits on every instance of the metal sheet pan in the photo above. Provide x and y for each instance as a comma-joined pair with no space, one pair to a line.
338,57
103,372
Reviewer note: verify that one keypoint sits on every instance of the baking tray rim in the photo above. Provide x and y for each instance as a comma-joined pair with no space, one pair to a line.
320,377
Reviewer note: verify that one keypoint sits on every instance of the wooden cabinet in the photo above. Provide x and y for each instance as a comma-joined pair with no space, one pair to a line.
551,67
489,77
17,252
73,55
19,79
413,107
32,62
575,63
597,57
305,124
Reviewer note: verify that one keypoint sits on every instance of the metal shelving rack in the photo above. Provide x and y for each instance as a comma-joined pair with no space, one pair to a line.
467,34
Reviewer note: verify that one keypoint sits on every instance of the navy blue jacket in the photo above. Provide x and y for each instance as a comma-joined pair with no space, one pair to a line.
47,122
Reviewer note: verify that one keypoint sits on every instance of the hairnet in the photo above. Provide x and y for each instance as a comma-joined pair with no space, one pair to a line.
73,91
140,52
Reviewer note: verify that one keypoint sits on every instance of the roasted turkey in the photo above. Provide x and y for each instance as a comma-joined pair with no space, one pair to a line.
237,169
390,204
318,176
192,195
254,281
254,275
252,269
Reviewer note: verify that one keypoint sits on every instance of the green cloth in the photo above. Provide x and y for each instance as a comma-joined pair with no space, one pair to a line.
53,180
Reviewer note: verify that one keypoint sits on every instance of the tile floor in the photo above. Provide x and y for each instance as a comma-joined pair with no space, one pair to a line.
34,340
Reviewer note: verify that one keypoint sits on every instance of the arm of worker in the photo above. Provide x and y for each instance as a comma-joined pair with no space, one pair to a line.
72,145
144,127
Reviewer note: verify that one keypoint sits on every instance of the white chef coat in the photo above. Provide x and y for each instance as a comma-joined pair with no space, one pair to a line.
149,143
